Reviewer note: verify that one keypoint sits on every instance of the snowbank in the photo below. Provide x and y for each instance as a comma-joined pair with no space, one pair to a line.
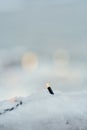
46,112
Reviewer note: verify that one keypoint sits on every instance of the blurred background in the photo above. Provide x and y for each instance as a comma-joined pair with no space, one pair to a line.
42,41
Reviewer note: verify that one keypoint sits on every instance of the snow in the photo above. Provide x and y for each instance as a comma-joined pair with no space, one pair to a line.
42,111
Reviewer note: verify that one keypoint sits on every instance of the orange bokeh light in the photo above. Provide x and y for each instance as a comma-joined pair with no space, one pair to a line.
30,61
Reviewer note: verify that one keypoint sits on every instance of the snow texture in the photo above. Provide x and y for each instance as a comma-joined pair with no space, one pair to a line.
42,111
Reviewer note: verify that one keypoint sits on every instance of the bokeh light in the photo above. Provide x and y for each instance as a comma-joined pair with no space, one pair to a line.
61,63
61,58
12,99
62,68
30,61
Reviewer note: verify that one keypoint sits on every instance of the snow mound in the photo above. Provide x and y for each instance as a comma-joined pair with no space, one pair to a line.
62,111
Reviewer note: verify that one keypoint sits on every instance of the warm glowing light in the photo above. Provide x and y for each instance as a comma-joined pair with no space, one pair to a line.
62,68
61,57
29,61
47,85
12,99
61,64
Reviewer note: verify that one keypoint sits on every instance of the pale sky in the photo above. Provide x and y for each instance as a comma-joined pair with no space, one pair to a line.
44,22
43,26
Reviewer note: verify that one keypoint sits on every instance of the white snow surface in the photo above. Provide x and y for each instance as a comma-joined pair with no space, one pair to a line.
42,111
